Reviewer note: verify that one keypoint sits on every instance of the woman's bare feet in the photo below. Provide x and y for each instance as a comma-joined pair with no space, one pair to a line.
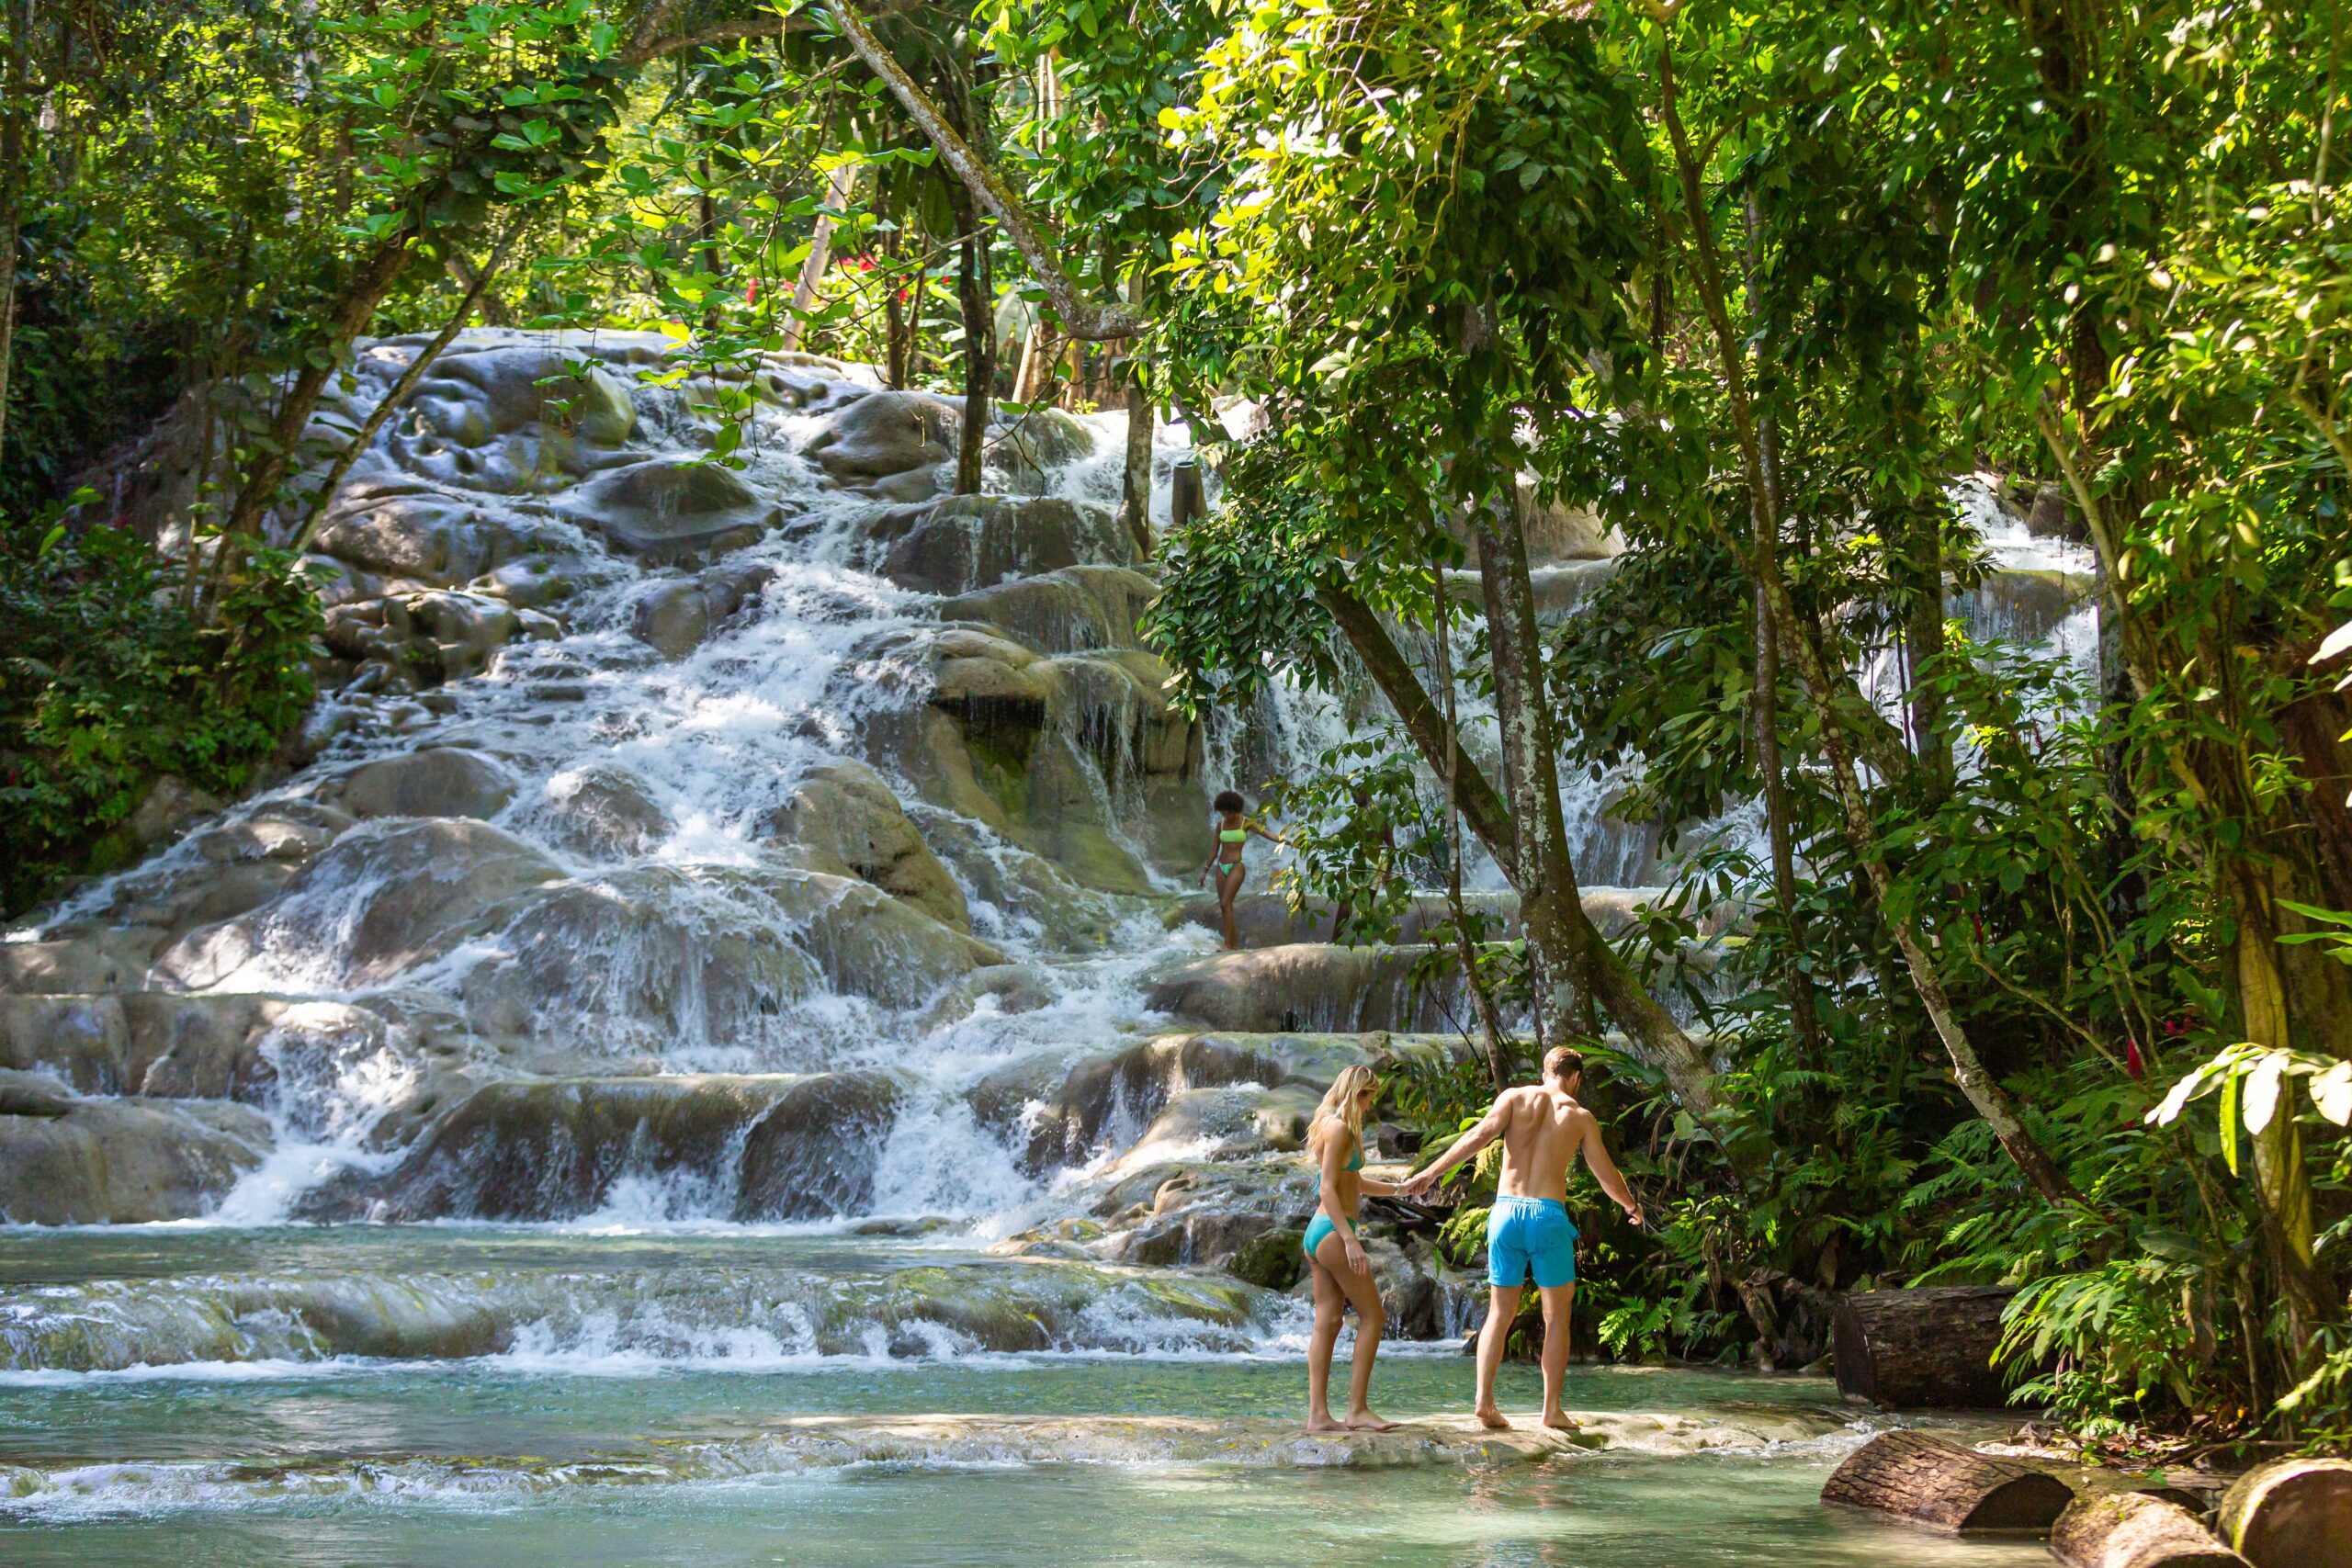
1491,1418
1560,1420
1365,1421
1316,1425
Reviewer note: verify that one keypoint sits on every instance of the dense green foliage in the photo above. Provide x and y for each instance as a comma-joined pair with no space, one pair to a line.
108,683
1748,286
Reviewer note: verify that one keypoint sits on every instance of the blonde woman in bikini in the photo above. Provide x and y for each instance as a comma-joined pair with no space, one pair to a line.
1335,1253
1233,831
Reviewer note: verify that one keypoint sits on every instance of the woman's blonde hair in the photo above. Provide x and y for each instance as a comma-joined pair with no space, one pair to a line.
1343,1099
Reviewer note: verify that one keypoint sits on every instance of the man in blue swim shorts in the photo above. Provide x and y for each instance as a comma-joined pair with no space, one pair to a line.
1544,1129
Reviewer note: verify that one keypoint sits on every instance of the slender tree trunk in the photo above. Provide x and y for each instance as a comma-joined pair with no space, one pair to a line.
495,313
1497,1055
707,232
1803,1012
1984,1091
975,288
1135,485
975,296
278,452
838,185
1142,418
398,393
12,189
1530,778
2278,1173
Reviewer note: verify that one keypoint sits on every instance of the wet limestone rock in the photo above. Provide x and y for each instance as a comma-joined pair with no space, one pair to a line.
1305,986
674,618
414,532
671,510
671,619
602,811
32,1094
967,542
399,889
81,964
762,1146
82,1041
448,780
121,1162
1074,609
890,444
841,818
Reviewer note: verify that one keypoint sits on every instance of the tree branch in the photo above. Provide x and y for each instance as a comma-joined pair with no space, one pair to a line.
1081,316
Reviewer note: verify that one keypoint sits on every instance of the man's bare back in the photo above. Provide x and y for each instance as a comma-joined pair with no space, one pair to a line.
1543,1130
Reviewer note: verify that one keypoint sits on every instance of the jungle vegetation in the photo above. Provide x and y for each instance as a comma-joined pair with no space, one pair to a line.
2040,978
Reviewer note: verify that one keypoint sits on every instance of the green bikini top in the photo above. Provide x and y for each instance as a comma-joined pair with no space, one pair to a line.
1233,835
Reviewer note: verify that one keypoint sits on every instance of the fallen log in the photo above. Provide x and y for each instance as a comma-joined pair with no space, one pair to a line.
2134,1530
1945,1487
2291,1513
1922,1349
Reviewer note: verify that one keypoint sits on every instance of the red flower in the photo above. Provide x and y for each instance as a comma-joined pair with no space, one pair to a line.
2132,1062
752,292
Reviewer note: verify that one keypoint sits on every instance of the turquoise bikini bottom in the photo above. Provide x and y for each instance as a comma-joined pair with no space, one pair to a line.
1319,1227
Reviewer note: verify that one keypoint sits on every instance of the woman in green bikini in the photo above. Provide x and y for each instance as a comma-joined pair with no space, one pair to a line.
1335,1253
1233,831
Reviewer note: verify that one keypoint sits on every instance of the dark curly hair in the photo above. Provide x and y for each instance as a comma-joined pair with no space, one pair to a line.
1229,801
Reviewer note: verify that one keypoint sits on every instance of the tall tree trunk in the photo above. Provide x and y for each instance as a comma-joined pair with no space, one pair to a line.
1530,777
1984,1091
897,338
1497,1055
838,185
1804,1014
12,109
975,287
1143,419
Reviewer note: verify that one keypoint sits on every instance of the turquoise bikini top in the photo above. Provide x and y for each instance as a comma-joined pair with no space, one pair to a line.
1355,1162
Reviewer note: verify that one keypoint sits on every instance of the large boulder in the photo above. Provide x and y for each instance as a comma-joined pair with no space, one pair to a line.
116,1162
445,782
82,1041
662,957
729,1145
602,811
976,541
1076,609
425,536
81,964
380,899
670,509
890,444
843,819
1311,985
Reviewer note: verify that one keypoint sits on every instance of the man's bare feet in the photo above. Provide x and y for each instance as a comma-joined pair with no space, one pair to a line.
1491,1418
1365,1421
1316,1425
1562,1421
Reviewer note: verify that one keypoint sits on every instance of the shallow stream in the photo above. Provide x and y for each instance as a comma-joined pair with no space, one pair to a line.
659,1452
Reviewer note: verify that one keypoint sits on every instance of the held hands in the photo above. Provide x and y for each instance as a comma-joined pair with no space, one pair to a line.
1416,1186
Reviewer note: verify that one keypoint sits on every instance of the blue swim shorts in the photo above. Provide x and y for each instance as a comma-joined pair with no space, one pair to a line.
1525,1233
